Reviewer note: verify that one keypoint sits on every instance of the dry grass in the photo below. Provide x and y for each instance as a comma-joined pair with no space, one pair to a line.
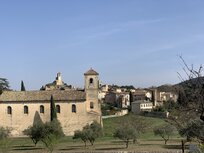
103,145
147,142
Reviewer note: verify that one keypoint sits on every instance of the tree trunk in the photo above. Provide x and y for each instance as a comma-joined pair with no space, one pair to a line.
127,142
202,115
134,141
92,142
183,146
85,144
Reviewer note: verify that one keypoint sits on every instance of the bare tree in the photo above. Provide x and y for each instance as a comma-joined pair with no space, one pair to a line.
190,112
193,88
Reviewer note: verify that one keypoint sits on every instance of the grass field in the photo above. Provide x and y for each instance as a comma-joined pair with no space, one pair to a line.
25,145
147,142
110,124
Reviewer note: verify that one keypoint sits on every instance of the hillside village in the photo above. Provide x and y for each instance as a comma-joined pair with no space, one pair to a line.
113,99
144,94
136,100
78,109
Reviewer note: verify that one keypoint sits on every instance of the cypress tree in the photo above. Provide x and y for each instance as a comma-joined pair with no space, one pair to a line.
22,86
53,112
153,96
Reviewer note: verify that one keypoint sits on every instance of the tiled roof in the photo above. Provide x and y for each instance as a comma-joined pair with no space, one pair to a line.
25,96
91,72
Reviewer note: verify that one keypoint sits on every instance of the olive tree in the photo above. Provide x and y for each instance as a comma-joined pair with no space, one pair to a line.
35,132
89,133
125,133
130,127
164,131
48,133
4,141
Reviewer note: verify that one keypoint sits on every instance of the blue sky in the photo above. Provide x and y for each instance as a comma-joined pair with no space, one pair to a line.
129,42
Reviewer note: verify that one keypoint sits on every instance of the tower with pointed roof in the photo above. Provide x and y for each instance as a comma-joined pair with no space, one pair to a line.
92,89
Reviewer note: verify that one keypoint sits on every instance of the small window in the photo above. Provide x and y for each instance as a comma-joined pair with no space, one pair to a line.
58,108
73,108
42,109
91,105
25,109
9,110
91,81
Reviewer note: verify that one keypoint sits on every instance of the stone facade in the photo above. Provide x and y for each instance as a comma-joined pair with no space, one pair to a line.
141,106
20,109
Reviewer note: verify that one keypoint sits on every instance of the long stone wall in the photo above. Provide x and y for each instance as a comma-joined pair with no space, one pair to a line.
17,121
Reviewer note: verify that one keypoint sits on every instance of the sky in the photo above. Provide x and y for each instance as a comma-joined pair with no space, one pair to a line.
128,42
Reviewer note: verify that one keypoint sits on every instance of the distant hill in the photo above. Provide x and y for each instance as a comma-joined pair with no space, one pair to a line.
194,80
175,88
167,88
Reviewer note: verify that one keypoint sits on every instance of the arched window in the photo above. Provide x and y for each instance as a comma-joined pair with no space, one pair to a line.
9,110
25,109
91,105
42,109
58,108
91,81
73,108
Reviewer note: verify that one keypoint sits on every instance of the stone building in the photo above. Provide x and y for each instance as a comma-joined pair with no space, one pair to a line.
141,106
58,84
20,109
141,94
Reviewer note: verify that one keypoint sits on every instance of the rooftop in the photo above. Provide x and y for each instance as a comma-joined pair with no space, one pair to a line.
91,72
26,96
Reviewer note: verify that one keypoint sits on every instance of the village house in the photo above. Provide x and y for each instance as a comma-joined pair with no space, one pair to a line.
142,94
166,96
137,107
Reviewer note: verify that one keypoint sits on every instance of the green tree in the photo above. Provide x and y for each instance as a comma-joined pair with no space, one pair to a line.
164,131
125,133
22,86
130,128
81,135
153,96
4,85
95,132
53,112
35,132
49,133
194,129
4,141
139,125
131,98
182,99
89,133
52,132
170,105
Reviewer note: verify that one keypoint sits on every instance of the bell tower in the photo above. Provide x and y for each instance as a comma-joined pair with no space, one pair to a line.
92,89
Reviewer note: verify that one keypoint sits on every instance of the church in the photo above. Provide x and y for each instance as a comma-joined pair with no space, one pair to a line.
75,108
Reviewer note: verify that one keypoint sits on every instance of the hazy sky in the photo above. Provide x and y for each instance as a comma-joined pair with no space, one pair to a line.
129,42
